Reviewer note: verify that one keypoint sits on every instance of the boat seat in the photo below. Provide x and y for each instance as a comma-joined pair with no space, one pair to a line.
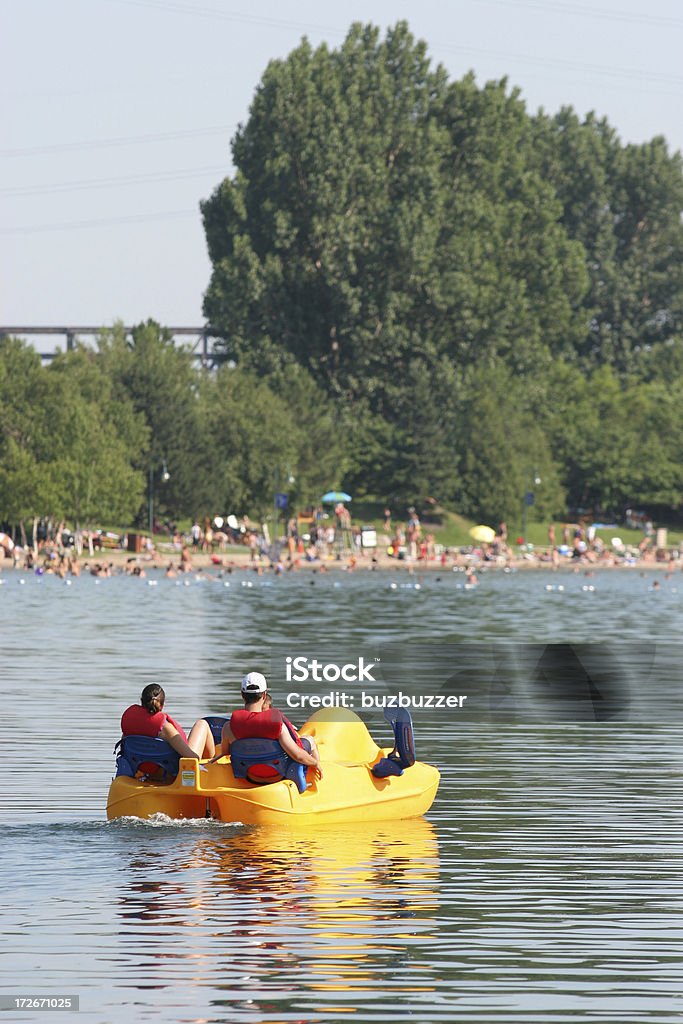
385,767
216,723
254,753
403,754
145,753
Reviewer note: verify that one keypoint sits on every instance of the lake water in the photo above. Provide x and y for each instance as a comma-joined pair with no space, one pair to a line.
545,883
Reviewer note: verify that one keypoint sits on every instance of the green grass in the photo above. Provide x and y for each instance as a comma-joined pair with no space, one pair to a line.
448,528
452,530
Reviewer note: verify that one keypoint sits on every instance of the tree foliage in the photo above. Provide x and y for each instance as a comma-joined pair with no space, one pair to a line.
63,449
424,291
81,437
379,214
623,203
439,260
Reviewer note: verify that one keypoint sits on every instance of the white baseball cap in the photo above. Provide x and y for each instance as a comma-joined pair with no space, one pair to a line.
254,682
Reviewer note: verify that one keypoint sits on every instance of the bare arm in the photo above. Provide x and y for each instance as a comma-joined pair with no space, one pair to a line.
296,752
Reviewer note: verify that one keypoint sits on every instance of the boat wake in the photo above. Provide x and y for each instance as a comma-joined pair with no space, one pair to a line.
160,820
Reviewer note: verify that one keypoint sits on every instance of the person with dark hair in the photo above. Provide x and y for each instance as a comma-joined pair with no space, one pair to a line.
260,720
148,718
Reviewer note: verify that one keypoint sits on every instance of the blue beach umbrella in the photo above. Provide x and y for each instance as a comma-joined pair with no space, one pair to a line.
336,496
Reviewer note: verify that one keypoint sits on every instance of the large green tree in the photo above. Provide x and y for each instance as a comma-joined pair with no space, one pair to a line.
509,282
321,243
504,450
380,214
249,445
624,204
385,229
260,437
96,437
616,442
158,380
27,479
63,450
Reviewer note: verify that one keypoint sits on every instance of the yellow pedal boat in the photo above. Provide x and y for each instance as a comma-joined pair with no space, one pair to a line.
348,790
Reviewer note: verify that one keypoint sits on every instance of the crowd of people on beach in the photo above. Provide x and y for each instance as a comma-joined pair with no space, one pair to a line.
318,541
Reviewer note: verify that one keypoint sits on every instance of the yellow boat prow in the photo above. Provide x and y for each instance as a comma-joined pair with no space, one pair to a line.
348,791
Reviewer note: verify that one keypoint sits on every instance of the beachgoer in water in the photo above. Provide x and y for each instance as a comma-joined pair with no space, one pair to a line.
148,718
259,719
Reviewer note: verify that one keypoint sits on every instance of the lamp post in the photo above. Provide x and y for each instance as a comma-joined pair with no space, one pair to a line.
529,499
280,500
165,476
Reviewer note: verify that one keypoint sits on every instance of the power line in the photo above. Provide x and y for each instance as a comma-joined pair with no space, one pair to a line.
553,63
103,222
570,65
547,6
124,140
93,183
583,10
215,12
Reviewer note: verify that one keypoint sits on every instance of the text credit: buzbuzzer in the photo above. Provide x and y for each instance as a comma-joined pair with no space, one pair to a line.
363,700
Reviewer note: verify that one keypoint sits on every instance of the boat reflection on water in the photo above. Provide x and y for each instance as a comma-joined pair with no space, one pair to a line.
274,919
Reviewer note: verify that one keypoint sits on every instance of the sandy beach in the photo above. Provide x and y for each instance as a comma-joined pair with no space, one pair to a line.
240,560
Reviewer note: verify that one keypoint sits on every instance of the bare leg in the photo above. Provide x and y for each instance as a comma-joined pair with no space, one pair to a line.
201,739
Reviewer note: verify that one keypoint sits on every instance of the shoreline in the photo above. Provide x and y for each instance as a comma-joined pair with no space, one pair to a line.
236,561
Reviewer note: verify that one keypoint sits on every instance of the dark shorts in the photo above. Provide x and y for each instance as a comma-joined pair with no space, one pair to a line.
306,743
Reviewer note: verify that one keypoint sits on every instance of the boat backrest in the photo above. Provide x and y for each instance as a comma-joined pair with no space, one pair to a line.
145,753
403,754
404,737
249,755
216,723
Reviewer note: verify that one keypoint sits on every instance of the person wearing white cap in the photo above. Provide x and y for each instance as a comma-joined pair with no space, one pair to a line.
253,683
259,720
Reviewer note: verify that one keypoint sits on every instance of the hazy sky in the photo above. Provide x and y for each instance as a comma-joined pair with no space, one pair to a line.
117,117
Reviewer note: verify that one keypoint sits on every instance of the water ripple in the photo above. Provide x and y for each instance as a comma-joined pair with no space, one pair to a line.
546,883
